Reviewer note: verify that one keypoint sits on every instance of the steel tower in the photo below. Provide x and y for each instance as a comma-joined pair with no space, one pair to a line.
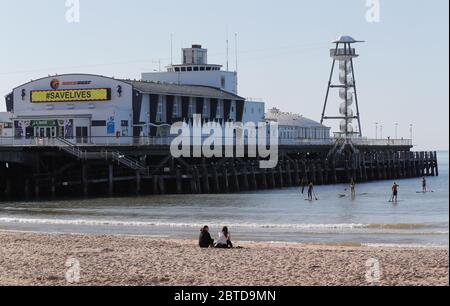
344,54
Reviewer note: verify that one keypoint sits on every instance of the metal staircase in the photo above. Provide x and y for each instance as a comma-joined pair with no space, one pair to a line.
75,151
342,145
70,148
127,161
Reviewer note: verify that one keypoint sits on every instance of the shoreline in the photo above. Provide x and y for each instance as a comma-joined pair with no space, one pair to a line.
247,242
40,259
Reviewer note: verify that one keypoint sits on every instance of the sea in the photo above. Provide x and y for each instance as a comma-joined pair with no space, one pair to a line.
335,218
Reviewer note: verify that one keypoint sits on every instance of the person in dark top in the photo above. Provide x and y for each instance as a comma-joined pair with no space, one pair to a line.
424,185
205,240
353,187
310,191
303,185
395,193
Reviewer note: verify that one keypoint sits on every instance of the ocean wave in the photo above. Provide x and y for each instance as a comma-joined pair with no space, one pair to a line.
405,246
168,224
395,228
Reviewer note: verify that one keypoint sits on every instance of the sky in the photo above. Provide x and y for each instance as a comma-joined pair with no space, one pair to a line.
283,51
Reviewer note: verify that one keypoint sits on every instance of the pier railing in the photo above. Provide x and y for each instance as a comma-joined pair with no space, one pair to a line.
383,142
167,141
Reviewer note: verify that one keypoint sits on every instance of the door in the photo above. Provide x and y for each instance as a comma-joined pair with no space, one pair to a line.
45,132
48,132
82,134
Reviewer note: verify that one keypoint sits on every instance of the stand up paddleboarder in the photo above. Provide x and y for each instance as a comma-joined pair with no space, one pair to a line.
353,187
395,193
311,193
424,185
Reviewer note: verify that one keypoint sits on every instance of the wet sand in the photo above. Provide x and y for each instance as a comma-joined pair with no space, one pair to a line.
40,259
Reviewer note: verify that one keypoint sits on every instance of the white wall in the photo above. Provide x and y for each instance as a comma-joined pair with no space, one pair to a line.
119,107
254,112
5,124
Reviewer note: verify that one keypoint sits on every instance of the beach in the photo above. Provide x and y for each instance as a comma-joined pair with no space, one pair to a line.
40,259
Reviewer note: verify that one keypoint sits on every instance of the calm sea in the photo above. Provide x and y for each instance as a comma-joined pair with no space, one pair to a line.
282,215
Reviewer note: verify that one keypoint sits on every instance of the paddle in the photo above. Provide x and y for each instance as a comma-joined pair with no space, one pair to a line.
315,196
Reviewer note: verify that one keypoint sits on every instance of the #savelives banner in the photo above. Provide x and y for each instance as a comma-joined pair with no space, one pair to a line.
72,95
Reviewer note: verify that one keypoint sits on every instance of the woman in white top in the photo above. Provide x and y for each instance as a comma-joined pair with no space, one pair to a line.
224,241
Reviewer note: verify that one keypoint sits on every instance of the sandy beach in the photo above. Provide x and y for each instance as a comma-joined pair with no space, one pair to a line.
40,259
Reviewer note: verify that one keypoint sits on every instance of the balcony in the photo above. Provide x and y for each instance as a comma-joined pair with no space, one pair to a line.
166,141
343,53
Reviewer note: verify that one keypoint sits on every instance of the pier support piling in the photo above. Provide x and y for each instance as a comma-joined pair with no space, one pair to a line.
111,180
179,181
84,180
138,182
216,183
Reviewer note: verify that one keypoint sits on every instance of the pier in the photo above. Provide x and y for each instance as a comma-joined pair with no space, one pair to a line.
56,168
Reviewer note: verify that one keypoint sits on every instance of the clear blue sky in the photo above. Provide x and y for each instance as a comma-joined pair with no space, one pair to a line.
283,50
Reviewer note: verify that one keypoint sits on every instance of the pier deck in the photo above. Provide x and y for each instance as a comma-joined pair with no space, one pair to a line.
50,168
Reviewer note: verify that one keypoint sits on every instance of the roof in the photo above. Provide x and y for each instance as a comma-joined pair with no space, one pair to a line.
293,120
182,90
163,88
347,39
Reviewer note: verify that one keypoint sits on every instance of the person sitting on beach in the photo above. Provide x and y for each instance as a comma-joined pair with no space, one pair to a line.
205,240
224,241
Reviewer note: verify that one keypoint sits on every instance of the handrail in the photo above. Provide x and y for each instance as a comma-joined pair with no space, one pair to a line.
167,141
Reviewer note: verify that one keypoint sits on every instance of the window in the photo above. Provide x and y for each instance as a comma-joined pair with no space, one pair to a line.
195,68
222,82
124,123
206,108
191,108
177,108
98,123
160,110
220,109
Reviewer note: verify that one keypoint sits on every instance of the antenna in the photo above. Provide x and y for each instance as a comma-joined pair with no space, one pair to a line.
159,64
171,49
236,49
228,51
236,55
228,56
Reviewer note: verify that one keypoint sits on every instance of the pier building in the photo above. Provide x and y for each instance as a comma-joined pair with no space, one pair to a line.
195,70
89,135
296,128
91,109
